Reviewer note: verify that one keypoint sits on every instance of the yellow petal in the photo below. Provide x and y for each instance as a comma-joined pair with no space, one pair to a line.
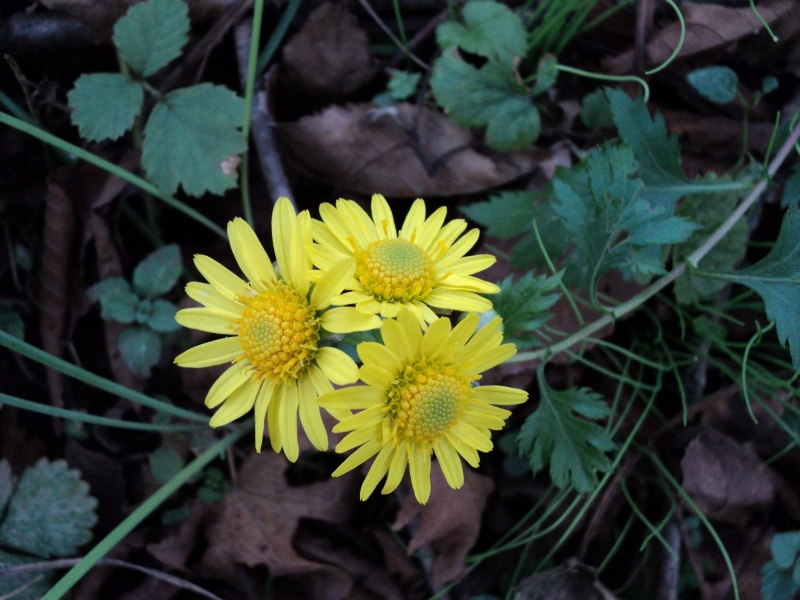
351,298
237,404
394,338
322,385
397,468
274,418
376,376
347,319
250,254
486,360
332,283
283,225
205,294
373,353
468,283
482,420
479,406
207,319
358,437
338,226
360,220
448,234
430,228
224,280
337,366
383,217
288,421
225,385
473,264
435,338
459,249
450,463
425,312
377,471
363,454
327,240
324,257
419,465
414,219
500,394
310,418
369,307
411,327
457,300
364,418
471,436
389,310
467,452
260,414
351,398
210,353
485,339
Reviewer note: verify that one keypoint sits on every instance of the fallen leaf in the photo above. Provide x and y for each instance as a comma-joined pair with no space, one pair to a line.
725,478
174,550
329,56
450,522
258,519
572,582
707,26
716,135
105,478
401,151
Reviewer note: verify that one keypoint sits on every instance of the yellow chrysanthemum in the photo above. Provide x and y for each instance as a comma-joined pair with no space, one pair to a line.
274,323
421,267
419,399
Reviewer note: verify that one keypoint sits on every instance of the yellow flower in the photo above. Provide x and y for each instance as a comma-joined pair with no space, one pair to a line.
420,267
273,322
419,399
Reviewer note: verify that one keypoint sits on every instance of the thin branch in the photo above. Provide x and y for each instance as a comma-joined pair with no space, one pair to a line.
375,17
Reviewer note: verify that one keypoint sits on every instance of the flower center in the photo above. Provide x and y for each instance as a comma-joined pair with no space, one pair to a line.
279,333
395,270
426,400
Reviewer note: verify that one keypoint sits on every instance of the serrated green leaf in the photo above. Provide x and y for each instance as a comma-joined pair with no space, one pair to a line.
7,481
596,110
162,317
776,278
716,84
158,272
776,583
165,463
104,105
141,349
608,220
152,34
117,301
112,285
490,96
50,513
708,211
188,136
31,585
527,253
791,189
490,29
10,321
504,215
556,434
524,306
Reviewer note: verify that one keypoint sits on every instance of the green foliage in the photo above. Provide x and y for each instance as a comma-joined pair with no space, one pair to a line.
708,211
158,273
105,105
141,349
490,29
776,278
22,586
524,306
10,321
609,221
152,34
50,512
716,84
780,577
556,434
596,110
402,84
165,463
158,315
490,96
506,214
117,301
791,190
188,136
214,487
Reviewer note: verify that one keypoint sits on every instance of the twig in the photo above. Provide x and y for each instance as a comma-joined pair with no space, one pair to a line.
371,12
694,258
420,36
110,562
644,19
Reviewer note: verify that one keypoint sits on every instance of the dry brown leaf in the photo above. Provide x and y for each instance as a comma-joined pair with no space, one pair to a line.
450,522
573,582
707,26
330,56
105,477
57,238
258,519
174,550
725,478
716,135
402,151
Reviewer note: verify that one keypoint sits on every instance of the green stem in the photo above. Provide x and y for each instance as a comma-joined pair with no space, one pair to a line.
763,22
678,48
75,415
277,36
53,362
146,186
249,88
602,77
694,258
552,268
137,516
754,341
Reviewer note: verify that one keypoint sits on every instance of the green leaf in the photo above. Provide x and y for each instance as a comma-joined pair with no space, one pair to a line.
791,189
51,512
776,583
776,278
104,105
165,463
158,272
490,96
31,585
402,84
527,254
10,321
504,215
609,221
708,211
769,84
490,29
141,349
546,75
161,316
524,306
556,434
784,548
717,84
117,301
152,34
7,481
188,136
596,111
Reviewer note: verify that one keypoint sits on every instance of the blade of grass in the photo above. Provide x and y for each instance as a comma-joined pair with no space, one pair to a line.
137,516
112,387
277,36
